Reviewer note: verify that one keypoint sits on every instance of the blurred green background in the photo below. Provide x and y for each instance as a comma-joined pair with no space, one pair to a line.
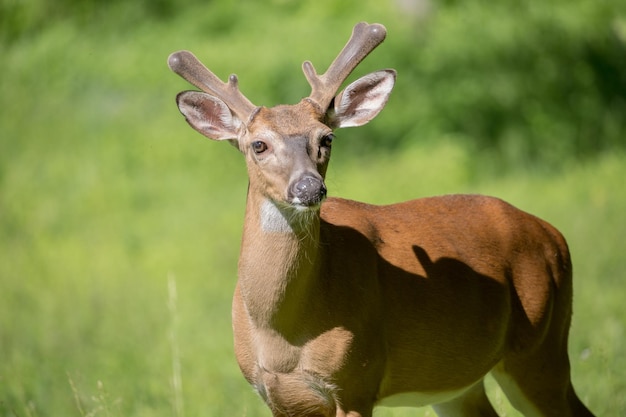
120,225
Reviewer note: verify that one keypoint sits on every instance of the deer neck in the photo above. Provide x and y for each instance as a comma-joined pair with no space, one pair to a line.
278,262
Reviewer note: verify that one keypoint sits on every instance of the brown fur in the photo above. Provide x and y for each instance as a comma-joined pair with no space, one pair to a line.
427,295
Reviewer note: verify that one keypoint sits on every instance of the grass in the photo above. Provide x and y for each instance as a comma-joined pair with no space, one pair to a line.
120,227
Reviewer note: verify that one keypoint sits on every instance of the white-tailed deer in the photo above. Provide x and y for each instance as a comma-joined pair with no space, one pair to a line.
342,305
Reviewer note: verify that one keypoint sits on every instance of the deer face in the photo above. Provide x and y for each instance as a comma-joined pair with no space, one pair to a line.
287,150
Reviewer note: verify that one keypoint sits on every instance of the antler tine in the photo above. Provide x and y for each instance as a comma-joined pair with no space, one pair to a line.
185,64
364,39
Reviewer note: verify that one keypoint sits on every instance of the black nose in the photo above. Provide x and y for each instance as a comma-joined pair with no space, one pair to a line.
308,191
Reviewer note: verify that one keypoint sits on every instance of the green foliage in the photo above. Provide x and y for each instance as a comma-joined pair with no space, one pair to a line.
529,80
105,192
526,83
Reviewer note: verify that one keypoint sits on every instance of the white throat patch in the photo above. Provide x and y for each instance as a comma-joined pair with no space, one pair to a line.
272,220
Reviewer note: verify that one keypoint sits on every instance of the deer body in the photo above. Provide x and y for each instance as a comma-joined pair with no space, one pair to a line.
410,311
342,305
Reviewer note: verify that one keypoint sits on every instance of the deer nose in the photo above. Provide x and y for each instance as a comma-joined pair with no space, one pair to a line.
307,191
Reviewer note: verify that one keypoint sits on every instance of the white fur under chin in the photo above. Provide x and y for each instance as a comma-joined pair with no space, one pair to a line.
276,220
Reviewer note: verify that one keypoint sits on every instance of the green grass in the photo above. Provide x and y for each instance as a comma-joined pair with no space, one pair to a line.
106,196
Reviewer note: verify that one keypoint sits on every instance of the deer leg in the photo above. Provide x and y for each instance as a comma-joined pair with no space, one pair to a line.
540,387
472,403
536,379
298,394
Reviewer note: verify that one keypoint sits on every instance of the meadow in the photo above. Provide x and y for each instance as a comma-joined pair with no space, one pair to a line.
120,226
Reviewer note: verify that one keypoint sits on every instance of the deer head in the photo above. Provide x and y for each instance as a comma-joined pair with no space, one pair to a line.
287,147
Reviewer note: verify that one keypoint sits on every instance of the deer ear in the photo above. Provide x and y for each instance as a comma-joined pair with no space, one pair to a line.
208,115
362,100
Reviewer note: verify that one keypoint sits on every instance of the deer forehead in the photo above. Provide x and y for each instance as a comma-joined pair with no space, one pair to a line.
284,121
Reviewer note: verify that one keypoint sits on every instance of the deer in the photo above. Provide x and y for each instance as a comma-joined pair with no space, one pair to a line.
341,306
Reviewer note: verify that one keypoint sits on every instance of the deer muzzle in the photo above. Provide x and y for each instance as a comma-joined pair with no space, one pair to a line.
308,191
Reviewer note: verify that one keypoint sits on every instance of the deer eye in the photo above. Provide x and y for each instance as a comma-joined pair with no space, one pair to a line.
327,140
259,146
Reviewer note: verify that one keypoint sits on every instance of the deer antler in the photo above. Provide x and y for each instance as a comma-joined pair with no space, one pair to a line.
364,39
185,64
